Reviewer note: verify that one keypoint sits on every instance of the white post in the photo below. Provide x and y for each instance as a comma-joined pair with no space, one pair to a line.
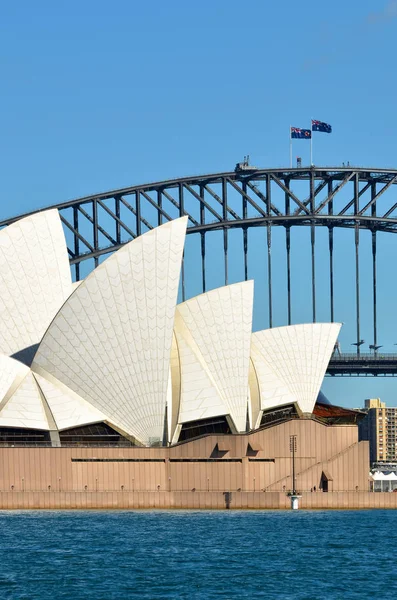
295,501
290,147
311,142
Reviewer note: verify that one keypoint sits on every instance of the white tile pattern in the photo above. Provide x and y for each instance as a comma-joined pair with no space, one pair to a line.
34,279
273,390
25,407
291,362
200,396
111,341
67,408
214,335
12,372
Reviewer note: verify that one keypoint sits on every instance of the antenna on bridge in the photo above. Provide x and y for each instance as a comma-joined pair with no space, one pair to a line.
245,166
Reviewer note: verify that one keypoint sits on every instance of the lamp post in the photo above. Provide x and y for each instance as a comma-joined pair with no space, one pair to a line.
375,348
293,495
358,344
292,449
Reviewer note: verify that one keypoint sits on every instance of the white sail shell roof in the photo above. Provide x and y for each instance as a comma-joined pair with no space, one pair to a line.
200,396
290,363
67,408
12,372
116,348
25,408
111,341
28,400
213,331
273,390
34,281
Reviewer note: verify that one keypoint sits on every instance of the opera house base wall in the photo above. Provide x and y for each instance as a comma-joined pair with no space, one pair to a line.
192,500
213,472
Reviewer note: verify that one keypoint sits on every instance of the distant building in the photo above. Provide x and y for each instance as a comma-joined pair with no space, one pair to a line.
384,481
380,428
374,403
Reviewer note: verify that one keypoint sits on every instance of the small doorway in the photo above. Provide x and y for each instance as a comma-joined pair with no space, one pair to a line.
325,480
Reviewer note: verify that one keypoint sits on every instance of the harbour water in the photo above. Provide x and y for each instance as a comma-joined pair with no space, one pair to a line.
197,555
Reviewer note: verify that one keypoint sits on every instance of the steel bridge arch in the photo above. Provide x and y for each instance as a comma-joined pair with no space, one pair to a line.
330,197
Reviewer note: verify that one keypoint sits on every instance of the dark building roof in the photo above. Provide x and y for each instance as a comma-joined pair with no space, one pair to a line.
336,414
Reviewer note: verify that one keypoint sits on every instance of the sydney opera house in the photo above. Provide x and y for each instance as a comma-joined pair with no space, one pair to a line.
112,393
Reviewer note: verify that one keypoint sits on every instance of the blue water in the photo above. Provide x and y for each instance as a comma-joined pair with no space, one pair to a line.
203,555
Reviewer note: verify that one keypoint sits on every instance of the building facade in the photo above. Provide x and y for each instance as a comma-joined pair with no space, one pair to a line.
329,459
380,428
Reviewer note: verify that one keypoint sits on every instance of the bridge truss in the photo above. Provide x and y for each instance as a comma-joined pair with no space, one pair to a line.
328,197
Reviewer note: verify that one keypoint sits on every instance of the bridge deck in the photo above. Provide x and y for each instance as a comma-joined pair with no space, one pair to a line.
362,365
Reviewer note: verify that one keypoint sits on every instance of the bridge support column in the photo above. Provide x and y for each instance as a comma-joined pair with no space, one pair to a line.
313,245
374,289
357,243
288,247
331,271
269,274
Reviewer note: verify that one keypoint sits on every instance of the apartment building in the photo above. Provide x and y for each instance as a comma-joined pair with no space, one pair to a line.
380,428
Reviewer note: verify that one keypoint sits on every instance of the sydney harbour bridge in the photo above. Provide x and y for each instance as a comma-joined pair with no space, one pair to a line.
325,199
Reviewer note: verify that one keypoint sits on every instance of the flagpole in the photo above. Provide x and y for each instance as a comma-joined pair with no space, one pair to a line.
311,142
290,148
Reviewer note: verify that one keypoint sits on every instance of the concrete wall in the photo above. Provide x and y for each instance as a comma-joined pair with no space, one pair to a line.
254,468
193,500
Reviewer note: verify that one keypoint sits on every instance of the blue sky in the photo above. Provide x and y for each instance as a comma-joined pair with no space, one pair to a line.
100,95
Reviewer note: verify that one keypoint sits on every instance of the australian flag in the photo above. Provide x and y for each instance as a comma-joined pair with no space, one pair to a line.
320,126
297,133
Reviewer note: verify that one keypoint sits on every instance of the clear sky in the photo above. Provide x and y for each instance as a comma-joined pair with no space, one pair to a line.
101,95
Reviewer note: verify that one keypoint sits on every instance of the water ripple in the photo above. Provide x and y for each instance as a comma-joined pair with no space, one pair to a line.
105,555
